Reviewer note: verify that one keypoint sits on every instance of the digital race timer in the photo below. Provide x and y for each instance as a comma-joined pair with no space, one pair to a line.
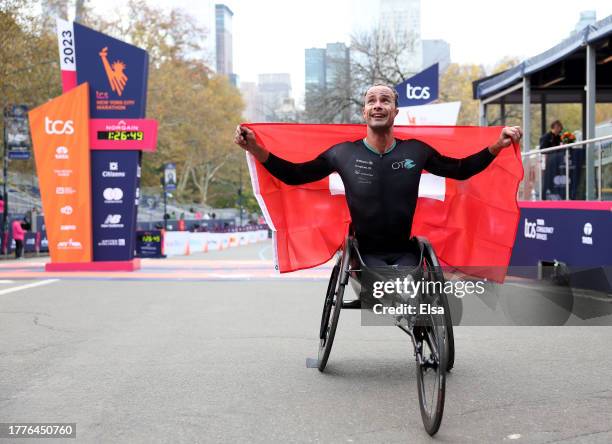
120,135
123,134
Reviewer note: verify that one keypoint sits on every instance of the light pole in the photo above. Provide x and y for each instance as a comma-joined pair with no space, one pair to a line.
4,193
240,194
163,183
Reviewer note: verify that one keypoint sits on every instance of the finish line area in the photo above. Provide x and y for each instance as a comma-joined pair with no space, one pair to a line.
251,262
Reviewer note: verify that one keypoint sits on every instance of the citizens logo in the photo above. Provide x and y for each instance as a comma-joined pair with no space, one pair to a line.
61,153
59,126
112,221
113,195
116,77
69,245
588,231
67,210
113,170
405,164
64,190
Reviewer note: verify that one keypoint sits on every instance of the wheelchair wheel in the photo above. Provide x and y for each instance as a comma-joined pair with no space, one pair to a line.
430,339
435,274
331,313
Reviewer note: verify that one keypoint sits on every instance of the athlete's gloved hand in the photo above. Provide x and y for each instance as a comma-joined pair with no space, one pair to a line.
508,135
245,139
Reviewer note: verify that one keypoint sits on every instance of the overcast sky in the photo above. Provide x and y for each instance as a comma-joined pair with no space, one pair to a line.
271,35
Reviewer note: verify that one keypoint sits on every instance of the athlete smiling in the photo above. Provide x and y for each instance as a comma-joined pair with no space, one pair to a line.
381,176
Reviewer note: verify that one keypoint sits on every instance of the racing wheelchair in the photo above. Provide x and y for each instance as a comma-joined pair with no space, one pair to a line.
431,333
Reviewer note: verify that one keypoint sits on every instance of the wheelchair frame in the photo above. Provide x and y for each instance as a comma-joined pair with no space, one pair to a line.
437,336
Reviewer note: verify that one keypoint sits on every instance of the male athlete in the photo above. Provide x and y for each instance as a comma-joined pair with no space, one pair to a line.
381,176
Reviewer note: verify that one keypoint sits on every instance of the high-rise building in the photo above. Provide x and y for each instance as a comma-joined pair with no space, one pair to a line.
253,111
402,20
273,89
315,67
398,19
326,68
436,51
223,33
337,64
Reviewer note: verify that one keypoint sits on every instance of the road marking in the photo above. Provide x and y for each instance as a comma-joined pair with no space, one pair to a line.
6,281
26,286
261,253
514,436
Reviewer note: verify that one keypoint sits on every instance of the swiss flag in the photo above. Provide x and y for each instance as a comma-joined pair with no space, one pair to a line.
470,223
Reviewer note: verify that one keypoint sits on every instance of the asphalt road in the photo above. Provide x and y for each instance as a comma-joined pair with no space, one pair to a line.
220,360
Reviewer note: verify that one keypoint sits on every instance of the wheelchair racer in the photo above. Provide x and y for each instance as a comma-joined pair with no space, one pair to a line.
381,176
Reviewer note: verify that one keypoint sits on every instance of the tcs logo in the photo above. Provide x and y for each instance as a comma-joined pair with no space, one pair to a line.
417,92
530,229
59,126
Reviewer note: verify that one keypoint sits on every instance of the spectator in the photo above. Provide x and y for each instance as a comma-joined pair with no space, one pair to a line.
553,179
553,137
19,236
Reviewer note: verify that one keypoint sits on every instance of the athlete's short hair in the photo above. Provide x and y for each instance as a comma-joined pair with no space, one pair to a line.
395,95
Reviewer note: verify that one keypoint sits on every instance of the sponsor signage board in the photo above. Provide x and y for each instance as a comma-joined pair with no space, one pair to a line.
419,89
60,135
115,195
170,177
149,243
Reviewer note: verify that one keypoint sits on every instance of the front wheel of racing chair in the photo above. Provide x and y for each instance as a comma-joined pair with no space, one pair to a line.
433,272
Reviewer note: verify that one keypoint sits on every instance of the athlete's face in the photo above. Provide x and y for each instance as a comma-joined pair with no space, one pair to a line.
379,108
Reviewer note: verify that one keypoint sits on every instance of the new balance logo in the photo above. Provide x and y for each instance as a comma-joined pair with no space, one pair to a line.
113,219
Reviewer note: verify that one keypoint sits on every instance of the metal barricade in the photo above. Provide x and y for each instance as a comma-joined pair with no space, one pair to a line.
533,179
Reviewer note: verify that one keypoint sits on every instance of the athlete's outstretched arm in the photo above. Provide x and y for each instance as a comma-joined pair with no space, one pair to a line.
289,172
465,168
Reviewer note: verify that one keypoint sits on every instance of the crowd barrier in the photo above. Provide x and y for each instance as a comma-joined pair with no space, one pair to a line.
182,243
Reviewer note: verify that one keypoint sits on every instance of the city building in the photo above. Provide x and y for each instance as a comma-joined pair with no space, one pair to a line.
327,67
337,64
436,51
287,112
315,67
223,34
273,89
402,19
253,111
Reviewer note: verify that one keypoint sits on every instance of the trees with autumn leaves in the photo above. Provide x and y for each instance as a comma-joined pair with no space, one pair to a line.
197,110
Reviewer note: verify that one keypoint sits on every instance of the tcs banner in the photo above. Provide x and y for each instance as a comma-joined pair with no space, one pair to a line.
419,89
60,132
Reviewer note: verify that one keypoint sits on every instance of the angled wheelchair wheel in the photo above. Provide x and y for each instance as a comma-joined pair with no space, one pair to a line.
331,309
434,273
431,357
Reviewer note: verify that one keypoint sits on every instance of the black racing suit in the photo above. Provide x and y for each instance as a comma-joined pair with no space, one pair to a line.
381,189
